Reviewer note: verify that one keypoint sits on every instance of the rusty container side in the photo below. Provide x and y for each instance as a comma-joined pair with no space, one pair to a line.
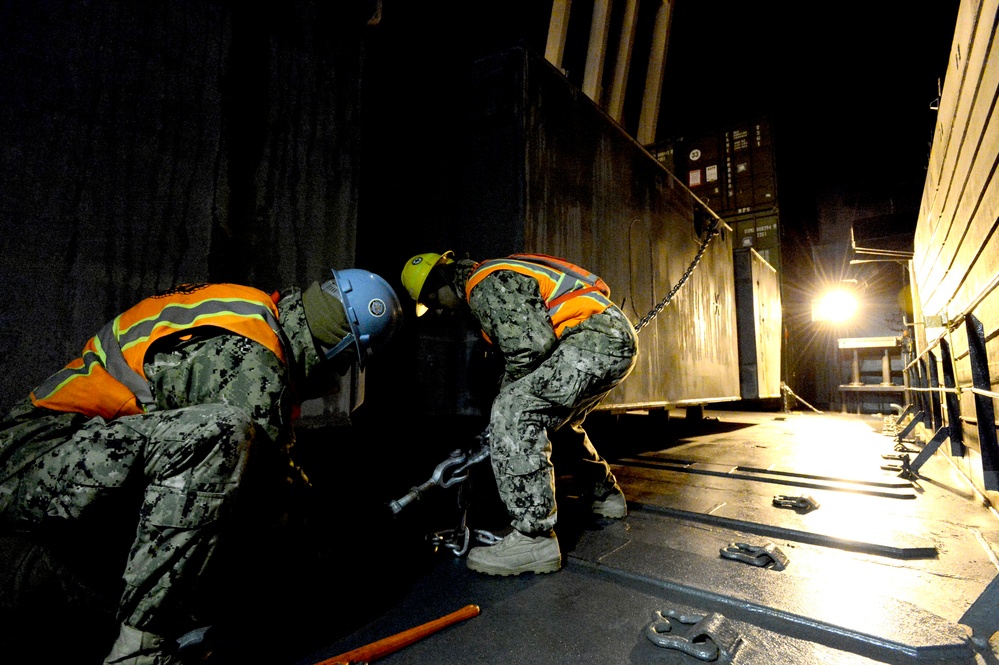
549,172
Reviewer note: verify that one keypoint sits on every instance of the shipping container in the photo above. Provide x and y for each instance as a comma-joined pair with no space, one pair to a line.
701,163
760,231
731,170
663,154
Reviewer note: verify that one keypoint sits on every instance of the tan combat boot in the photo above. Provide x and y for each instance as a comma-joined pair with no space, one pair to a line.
137,647
517,554
614,507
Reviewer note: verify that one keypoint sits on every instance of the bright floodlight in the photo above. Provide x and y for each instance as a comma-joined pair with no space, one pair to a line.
835,306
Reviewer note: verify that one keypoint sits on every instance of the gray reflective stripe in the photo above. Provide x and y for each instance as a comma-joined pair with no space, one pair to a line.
109,352
587,278
553,274
563,286
117,366
566,281
592,295
60,378
185,316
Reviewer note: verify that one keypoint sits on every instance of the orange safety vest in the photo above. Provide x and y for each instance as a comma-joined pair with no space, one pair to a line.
572,294
109,379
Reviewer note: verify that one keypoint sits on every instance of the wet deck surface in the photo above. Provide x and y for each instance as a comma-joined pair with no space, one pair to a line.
883,570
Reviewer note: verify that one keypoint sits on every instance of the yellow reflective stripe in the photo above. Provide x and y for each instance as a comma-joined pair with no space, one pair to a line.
175,326
98,349
595,296
562,288
173,314
545,271
545,276
56,382
562,265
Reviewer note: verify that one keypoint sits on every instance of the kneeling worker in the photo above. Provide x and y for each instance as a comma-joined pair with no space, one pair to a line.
565,345
167,407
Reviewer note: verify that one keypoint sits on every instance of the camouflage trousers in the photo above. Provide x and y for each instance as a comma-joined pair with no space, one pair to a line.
554,398
182,466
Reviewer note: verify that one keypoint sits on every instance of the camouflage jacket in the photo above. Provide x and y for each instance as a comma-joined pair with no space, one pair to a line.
226,368
234,370
509,308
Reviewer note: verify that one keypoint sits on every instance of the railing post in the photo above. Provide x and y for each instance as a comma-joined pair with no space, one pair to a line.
984,409
907,370
933,395
952,430
952,401
923,395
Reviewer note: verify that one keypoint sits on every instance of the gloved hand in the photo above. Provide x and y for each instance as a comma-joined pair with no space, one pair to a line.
325,315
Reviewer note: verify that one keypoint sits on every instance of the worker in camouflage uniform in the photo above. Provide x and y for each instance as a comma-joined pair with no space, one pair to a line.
565,345
164,408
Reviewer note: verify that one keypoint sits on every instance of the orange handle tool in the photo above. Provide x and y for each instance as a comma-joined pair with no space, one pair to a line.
393,643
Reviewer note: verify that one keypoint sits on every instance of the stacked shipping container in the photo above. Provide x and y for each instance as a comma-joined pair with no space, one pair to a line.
732,171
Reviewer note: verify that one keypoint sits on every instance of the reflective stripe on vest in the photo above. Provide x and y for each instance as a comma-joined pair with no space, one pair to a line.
568,268
571,294
109,380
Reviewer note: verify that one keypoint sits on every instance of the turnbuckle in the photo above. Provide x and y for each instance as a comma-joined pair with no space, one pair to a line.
437,479
451,471
461,470
767,556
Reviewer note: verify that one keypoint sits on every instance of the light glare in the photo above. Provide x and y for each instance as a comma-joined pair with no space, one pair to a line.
835,306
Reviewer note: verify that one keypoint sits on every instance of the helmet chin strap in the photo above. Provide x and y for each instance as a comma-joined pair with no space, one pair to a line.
346,342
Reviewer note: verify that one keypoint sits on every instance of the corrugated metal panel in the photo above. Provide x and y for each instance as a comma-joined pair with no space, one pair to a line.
749,151
955,267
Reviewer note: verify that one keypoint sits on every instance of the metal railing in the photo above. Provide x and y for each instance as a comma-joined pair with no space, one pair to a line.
925,395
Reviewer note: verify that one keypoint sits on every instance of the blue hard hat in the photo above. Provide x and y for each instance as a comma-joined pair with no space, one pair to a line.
374,312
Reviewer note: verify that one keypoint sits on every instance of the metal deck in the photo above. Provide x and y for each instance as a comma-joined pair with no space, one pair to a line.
883,570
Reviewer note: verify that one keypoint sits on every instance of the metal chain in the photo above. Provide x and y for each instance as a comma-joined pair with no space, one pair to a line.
712,232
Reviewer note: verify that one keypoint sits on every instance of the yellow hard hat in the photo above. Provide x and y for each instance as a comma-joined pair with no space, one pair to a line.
416,271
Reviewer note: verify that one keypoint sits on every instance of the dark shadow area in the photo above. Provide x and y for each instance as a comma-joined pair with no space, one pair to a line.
282,583
764,405
346,558
616,436
46,593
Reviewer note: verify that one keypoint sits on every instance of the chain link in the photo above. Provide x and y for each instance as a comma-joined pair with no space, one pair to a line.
712,232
